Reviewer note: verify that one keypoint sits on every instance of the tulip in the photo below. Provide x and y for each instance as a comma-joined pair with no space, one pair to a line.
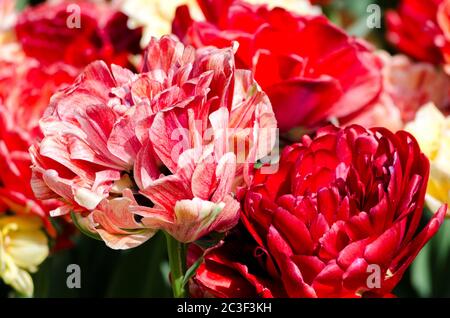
156,16
340,218
312,71
129,154
413,28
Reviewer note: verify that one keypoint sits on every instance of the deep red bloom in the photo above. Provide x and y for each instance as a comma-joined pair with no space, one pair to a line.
311,70
77,34
341,206
413,29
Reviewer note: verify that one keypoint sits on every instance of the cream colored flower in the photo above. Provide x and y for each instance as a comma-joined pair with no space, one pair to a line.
432,130
23,247
156,16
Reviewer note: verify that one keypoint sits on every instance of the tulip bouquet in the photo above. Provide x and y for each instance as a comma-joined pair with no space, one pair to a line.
282,149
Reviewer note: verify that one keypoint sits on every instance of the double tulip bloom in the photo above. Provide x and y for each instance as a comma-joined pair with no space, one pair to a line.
343,207
130,154
182,145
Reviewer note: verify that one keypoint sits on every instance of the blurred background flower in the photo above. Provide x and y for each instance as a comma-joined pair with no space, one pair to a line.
432,130
156,16
413,28
55,32
407,85
23,247
335,76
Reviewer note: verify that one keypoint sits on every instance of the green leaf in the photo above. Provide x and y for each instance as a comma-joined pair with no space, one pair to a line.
191,271
211,240
429,272
258,164
75,219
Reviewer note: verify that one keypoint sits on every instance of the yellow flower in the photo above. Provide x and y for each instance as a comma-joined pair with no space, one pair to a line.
432,130
156,16
23,247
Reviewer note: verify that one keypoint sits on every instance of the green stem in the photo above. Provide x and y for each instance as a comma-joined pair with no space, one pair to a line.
177,263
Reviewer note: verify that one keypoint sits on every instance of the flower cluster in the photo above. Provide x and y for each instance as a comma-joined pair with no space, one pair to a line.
125,118
33,66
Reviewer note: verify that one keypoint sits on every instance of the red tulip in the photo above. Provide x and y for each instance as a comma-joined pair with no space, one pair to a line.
77,34
311,70
340,218
413,29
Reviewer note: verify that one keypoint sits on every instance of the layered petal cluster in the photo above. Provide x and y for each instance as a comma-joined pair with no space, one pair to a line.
340,218
23,247
130,154
432,130
407,86
311,70
77,33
